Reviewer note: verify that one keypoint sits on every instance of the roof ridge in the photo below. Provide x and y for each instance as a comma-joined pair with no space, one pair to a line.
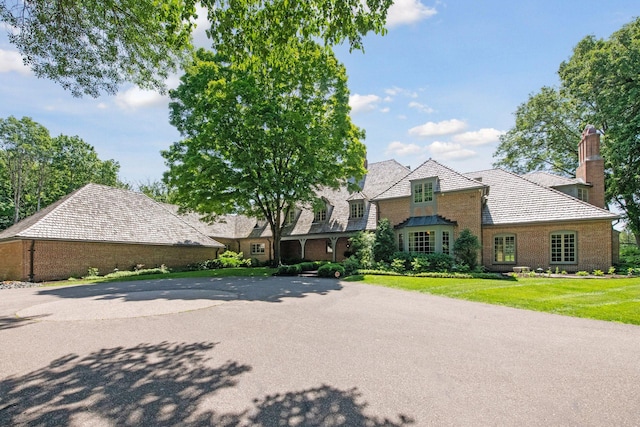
457,173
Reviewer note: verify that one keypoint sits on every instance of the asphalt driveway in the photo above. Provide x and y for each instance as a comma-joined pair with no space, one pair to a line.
303,352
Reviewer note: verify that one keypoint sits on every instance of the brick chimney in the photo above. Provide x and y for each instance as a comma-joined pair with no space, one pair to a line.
591,165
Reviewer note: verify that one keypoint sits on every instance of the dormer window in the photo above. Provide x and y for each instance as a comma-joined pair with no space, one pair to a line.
423,192
291,217
320,215
583,194
356,209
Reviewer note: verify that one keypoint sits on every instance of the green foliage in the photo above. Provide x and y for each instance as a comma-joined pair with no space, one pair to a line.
465,249
629,257
93,272
362,244
331,270
611,271
248,134
37,170
598,273
351,265
289,270
582,273
156,190
385,241
599,86
143,41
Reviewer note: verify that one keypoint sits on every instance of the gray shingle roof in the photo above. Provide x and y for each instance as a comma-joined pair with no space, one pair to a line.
547,179
448,180
98,213
513,199
419,221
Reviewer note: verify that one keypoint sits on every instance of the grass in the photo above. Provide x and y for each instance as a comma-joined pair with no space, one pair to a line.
608,299
223,272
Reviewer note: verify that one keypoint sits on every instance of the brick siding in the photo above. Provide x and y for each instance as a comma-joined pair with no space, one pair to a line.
12,266
533,247
55,260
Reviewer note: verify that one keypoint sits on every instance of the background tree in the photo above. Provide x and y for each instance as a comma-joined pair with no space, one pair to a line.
91,46
157,190
599,86
36,170
262,138
385,243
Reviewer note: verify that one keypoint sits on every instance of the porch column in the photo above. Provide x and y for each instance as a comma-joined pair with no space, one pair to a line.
302,243
334,240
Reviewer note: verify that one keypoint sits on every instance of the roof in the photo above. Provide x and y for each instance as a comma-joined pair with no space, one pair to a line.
547,179
378,178
448,180
419,221
98,213
513,199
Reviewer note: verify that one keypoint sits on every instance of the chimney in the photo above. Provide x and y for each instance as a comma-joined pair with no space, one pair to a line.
591,165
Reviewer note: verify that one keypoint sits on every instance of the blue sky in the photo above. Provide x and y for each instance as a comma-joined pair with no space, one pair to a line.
443,83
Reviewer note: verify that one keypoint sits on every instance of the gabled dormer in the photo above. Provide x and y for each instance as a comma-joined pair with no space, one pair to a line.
322,211
358,206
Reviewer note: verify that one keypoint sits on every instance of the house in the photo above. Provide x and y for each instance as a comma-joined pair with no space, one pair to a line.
99,227
537,220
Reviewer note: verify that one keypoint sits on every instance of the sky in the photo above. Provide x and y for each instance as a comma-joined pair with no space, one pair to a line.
443,83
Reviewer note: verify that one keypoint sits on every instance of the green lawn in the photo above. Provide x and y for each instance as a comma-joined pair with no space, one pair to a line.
604,299
223,272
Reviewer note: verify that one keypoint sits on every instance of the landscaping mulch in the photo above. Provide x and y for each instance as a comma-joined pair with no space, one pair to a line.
18,285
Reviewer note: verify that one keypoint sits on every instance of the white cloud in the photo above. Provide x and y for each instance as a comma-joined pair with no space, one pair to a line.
102,106
421,107
397,148
395,90
385,110
445,127
361,103
450,151
11,60
479,137
404,12
135,98
200,38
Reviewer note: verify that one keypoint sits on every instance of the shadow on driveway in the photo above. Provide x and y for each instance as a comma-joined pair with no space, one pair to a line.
272,289
164,384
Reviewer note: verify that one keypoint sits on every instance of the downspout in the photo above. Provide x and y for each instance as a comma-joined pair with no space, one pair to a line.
31,251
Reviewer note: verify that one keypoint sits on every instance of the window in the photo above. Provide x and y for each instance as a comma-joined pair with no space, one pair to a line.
356,209
329,247
504,249
446,243
400,242
291,217
258,248
422,242
563,247
422,192
583,194
320,215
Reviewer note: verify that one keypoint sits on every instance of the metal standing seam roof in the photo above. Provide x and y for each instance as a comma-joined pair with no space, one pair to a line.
98,213
513,199
448,180
420,221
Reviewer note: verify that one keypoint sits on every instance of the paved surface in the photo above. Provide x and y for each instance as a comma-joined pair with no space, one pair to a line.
303,352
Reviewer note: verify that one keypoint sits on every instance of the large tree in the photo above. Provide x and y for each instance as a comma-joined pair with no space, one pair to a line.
600,85
36,170
93,46
261,138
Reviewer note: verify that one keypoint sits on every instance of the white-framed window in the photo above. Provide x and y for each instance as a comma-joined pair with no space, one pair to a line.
583,194
563,247
422,242
320,215
258,249
356,209
401,242
504,248
422,192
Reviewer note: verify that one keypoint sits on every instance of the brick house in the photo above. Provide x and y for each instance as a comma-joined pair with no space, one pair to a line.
537,220
99,227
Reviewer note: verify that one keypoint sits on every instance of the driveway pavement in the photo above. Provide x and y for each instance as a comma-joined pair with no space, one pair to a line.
303,352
